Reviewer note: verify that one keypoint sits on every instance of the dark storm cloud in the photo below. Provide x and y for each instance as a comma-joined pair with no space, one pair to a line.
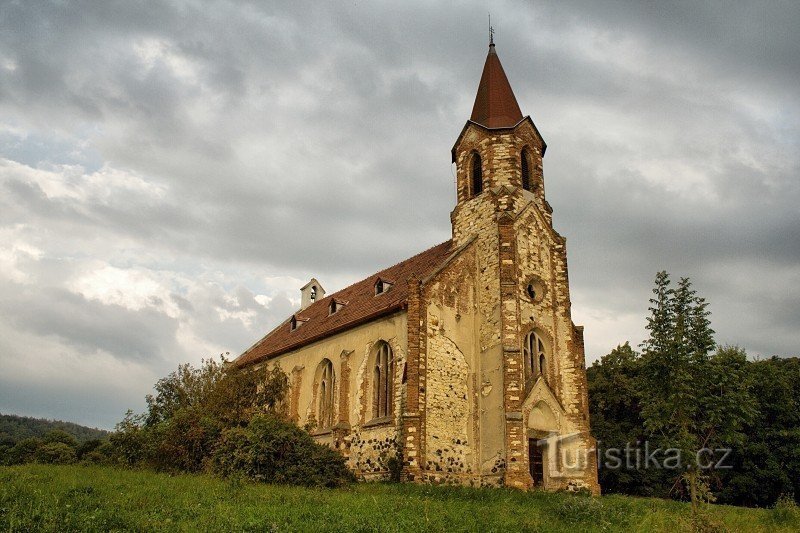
88,325
210,155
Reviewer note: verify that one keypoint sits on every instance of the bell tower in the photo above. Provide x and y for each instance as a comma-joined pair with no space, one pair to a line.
530,361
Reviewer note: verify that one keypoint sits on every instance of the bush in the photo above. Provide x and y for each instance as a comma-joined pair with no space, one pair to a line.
785,510
55,453
58,435
87,447
273,450
218,417
24,451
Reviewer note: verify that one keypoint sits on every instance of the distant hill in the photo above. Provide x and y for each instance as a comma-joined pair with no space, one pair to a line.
14,428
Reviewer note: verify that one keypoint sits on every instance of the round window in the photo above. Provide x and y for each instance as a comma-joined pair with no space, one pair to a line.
535,289
531,291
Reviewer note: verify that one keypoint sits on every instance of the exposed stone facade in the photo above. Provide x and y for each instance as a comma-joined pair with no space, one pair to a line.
472,400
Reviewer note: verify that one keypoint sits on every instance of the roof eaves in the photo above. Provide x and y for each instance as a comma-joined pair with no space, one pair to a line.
394,307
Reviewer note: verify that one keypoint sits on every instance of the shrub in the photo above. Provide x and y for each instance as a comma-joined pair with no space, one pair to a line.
273,450
129,441
56,453
785,510
87,447
24,451
59,435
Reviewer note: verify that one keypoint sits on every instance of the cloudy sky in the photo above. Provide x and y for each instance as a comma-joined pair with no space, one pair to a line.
170,175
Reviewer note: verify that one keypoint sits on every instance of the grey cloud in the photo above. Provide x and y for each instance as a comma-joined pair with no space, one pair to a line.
88,325
313,139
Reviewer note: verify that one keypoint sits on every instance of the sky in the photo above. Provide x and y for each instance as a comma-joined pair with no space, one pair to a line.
171,173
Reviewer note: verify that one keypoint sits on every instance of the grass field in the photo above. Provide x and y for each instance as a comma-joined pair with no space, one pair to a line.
80,498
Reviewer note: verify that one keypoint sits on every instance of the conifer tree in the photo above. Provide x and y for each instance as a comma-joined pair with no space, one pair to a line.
691,400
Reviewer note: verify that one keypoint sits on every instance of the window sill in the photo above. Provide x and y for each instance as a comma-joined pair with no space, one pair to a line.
382,421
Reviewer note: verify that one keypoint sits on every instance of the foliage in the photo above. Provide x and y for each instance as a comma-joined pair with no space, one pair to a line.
680,392
615,405
767,464
60,436
217,417
77,498
56,453
20,430
273,450
693,400
16,428
23,452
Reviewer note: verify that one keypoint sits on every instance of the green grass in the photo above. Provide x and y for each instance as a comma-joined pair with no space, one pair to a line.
83,498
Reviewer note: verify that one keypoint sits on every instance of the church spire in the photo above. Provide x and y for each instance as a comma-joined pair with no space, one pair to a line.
495,104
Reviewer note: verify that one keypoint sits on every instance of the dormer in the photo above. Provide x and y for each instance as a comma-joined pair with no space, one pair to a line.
382,286
311,292
296,321
335,305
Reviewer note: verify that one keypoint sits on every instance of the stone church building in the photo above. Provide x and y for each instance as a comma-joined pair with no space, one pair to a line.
464,358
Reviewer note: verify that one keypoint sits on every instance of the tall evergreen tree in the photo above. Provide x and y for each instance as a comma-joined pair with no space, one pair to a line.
690,400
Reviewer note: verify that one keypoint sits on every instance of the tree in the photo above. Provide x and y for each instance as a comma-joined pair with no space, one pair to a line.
691,400
615,408
767,465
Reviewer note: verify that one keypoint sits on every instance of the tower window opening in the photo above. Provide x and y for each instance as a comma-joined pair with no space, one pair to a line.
313,294
477,174
525,170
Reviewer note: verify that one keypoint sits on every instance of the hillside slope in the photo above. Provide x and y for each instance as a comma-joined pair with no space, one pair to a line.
76,498
14,428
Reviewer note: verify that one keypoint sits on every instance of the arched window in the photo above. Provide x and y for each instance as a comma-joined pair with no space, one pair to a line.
477,174
535,356
382,381
525,170
327,385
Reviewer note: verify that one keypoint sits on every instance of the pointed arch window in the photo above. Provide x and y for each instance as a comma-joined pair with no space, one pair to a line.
383,381
525,170
477,174
535,352
327,385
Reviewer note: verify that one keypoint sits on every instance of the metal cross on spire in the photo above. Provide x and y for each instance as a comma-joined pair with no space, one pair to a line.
491,31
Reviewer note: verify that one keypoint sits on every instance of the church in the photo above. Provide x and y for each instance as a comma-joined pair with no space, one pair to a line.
461,363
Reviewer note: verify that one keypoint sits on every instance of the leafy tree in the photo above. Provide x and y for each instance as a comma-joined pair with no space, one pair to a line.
692,400
87,447
767,465
55,452
615,407
222,418
59,435
191,408
24,451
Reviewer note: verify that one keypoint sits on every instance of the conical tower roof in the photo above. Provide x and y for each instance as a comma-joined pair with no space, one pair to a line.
495,104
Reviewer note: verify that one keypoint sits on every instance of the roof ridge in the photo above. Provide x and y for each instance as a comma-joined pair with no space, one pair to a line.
361,306
382,270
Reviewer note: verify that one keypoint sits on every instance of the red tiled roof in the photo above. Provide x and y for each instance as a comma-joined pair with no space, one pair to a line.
362,306
495,104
